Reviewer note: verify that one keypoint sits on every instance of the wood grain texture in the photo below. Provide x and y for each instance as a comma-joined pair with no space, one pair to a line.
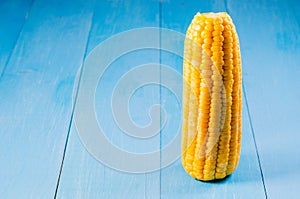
82,175
36,91
43,45
269,32
246,181
12,17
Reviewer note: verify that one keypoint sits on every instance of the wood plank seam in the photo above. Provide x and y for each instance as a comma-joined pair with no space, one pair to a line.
251,125
250,122
253,136
74,104
16,41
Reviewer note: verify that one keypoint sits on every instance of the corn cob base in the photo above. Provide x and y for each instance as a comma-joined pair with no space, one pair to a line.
212,97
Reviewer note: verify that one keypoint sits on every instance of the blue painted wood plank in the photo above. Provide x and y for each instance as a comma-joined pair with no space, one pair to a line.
83,176
269,32
246,181
36,96
12,17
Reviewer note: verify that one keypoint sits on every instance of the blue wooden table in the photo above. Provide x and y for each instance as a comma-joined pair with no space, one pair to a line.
51,53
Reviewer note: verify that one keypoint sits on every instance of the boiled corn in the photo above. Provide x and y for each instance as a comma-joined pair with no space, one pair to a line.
212,97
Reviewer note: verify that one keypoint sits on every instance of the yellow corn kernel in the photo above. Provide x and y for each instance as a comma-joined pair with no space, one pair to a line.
212,97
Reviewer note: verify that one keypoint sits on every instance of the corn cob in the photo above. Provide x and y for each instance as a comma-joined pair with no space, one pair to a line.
212,99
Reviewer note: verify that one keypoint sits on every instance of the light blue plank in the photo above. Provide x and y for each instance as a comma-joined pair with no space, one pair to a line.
246,181
12,17
82,175
270,35
36,97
